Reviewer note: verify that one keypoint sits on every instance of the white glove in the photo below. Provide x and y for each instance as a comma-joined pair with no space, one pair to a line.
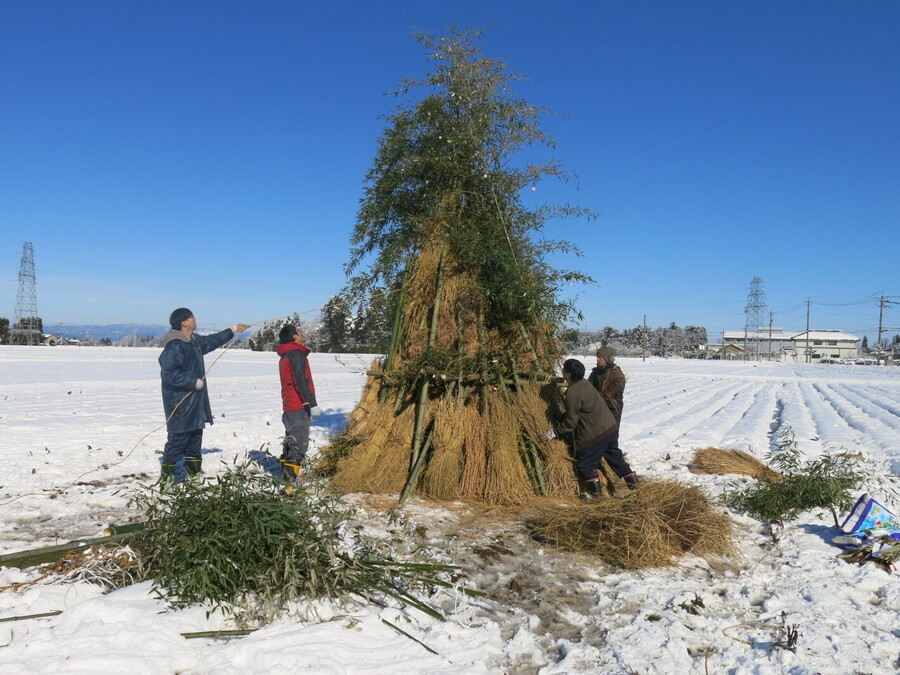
548,435
314,412
198,385
239,328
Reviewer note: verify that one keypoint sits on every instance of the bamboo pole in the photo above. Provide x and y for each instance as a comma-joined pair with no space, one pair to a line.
22,617
471,378
417,467
219,633
418,452
122,529
38,556
530,345
397,329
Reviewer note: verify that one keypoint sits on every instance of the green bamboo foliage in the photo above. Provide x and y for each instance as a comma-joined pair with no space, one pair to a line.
237,542
827,482
448,169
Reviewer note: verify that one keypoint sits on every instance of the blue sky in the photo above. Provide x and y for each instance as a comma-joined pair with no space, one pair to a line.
212,154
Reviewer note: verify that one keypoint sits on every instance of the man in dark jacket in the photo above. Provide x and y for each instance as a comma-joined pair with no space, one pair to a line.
298,398
185,398
609,380
594,427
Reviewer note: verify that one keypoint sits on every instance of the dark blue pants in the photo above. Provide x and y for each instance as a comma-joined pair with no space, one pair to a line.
588,459
183,445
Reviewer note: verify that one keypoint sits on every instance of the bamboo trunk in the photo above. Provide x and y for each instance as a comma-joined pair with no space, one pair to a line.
38,556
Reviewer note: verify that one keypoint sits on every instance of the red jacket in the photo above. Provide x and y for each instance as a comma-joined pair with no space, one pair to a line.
297,388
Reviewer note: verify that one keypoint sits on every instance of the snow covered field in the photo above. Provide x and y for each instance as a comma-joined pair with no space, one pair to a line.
88,422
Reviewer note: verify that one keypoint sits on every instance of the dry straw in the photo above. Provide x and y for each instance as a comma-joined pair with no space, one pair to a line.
474,455
650,527
722,462
506,480
441,477
477,420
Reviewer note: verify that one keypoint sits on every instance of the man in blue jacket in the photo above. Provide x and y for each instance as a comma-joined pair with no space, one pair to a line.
185,398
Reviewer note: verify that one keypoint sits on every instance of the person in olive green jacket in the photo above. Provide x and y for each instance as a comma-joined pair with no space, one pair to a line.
595,430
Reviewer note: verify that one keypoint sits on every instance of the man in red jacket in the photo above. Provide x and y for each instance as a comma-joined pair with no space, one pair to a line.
298,396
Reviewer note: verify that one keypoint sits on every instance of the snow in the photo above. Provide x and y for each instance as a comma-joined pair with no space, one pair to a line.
81,425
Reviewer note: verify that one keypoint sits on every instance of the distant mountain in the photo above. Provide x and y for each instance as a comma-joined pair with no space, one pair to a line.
114,331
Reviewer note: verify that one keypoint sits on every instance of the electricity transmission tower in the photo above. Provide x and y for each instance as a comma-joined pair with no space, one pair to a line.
27,329
755,312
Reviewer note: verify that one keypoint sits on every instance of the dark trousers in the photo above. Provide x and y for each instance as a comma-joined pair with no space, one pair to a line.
183,445
296,442
588,459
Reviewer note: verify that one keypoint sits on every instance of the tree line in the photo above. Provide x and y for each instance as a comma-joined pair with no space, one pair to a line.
662,341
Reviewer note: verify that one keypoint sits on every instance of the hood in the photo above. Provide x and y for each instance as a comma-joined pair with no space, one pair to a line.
174,335
290,346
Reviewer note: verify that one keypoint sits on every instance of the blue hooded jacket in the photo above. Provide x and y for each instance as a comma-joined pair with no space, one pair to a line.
181,365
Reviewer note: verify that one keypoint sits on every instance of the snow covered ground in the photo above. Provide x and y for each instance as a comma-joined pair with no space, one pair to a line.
79,426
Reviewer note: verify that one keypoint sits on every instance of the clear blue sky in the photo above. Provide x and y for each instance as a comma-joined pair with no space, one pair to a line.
211,154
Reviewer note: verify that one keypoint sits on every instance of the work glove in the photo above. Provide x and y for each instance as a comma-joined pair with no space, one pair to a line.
198,385
239,328
548,435
314,412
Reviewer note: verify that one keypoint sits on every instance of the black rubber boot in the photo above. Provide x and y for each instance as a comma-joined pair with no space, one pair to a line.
632,481
166,477
192,467
590,490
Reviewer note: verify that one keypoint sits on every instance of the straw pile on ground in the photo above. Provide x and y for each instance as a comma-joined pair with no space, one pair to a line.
721,462
650,527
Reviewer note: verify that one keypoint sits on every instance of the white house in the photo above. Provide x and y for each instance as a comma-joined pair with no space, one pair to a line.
814,347
773,342
824,345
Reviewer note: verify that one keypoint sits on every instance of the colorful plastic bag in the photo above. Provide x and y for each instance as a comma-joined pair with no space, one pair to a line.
868,514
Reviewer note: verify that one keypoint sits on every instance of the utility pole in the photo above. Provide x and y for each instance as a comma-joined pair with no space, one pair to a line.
806,351
883,303
771,317
644,347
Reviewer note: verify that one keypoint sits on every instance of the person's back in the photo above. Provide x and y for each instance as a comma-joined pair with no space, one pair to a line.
587,415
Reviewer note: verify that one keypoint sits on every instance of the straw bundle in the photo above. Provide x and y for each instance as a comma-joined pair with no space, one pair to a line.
609,481
721,462
419,301
369,439
650,527
559,470
474,456
369,398
391,467
506,480
441,477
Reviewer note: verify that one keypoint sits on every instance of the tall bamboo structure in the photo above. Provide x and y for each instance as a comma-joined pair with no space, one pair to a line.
458,406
